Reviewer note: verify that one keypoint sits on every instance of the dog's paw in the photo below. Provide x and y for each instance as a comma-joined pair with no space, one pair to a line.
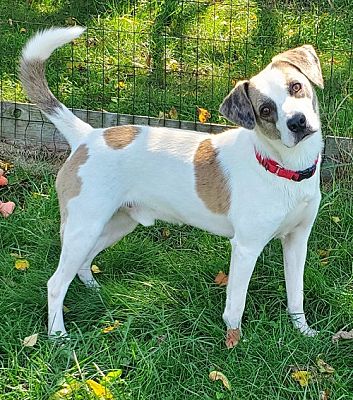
233,337
309,332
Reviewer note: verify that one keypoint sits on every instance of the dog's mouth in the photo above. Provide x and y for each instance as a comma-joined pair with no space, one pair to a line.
302,136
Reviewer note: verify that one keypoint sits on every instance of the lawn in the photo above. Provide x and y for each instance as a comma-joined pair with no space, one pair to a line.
159,284
151,58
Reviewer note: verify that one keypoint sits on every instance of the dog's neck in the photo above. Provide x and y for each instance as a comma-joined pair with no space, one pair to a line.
296,158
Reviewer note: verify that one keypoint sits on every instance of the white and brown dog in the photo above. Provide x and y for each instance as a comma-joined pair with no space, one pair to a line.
250,184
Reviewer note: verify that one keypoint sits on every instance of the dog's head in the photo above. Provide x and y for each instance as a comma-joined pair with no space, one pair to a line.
279,102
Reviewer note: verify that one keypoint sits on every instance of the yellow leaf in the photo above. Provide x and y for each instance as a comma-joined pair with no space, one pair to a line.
121,85
30,341
324,253
99,390
5,165
165,233
21,265
95,269
221,279
204,115
303,377
173,65
324,367
216,375
335,219
66,309
111,327
112,376
23,30
66,390
173,113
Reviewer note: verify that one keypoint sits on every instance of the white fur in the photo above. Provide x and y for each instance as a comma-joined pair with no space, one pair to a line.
41,46
154,178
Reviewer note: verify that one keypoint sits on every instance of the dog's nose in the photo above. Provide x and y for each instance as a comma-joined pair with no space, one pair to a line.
297,123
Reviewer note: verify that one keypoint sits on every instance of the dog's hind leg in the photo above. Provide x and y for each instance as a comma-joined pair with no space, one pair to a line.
119,225
83,229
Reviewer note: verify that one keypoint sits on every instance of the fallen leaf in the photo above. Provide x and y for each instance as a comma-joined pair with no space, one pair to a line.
173,65
325,394
38,195
112,376
111,327
66,309
173,113
323,253
342,335
30,341
216,375
5,165
323,366
221,279
303,377
95,269
336,220
165,233
23,30
66,390
204,115
99,390
71,21
121,85
21,265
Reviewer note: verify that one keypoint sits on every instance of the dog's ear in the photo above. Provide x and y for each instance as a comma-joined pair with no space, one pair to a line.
306,60
237,107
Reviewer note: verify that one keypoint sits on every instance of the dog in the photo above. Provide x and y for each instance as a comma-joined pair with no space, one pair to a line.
250,184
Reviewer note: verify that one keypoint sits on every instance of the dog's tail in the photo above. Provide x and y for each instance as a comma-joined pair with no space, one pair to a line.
32,74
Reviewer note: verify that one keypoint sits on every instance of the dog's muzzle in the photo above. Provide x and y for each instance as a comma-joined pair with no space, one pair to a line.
298,126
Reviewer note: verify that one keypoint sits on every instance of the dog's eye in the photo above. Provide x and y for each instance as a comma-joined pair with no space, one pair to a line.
265,111
296,87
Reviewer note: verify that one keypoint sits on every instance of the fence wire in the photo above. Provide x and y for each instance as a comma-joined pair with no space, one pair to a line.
155,61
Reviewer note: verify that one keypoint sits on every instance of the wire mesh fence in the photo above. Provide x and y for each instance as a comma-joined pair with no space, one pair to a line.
166,62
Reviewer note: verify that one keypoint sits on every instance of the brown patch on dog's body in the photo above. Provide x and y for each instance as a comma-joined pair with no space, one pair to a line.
68,183
119,137
268,125
211,183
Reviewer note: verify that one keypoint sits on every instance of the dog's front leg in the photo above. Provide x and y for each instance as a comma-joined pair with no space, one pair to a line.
294,254
242,265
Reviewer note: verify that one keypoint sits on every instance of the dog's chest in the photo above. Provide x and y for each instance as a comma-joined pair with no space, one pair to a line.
293,218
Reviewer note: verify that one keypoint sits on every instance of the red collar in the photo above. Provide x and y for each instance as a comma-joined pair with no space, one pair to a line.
273,167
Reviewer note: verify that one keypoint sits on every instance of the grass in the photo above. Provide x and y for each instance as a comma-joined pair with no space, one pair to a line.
145,57
149,57
158,282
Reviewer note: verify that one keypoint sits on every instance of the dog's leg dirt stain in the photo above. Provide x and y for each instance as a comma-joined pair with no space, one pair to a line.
233,337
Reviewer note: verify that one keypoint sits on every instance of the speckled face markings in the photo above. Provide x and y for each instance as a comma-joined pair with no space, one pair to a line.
68,182
292,76
119,137
267,124
211,182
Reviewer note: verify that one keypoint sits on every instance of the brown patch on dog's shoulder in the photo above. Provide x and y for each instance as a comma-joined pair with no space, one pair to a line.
119,137
68,182
211,182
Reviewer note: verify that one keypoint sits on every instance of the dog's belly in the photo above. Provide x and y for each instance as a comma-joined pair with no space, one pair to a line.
146,216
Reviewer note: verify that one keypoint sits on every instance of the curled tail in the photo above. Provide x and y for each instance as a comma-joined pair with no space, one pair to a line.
32,74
